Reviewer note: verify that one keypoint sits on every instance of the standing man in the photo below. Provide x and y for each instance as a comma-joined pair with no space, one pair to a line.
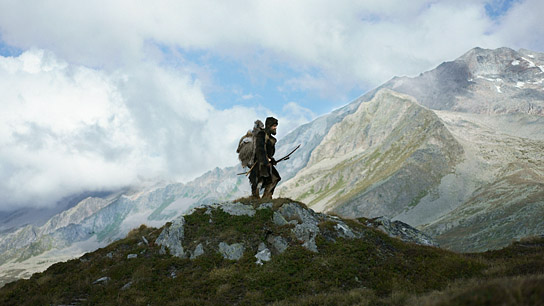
264,171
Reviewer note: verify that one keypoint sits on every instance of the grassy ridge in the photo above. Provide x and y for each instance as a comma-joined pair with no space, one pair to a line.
374,270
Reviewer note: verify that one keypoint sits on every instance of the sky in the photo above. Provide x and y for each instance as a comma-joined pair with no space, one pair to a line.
99,95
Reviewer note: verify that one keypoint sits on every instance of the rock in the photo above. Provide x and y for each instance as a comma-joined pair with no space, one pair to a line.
402,231
238,209
172,238
306,233
132,256
263,254
127,286
173,272
265,206
279,219
343,230
233,251
102,280
308,220
279,243
199,250
145,240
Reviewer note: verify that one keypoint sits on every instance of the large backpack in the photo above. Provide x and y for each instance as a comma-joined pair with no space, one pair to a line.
246,146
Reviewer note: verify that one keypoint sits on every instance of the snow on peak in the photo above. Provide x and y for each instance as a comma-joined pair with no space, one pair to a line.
531,64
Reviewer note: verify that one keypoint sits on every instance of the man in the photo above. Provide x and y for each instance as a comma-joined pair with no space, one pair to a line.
264,171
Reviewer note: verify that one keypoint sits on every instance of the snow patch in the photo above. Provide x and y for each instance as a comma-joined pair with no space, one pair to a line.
498,89
515,62
520,84
488,79
531,64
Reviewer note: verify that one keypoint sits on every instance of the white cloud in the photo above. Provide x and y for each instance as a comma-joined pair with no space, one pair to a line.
293,116
355,43
523,26
66,128
248,96
97,110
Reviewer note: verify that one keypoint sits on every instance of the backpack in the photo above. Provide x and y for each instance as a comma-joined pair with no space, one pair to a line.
246,146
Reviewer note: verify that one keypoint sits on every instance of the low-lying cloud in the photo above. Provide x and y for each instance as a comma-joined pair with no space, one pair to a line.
94,101
67,128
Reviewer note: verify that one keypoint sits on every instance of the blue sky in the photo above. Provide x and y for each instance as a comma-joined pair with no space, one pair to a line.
104,94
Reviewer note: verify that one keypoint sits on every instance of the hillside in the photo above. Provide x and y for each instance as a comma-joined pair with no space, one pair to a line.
455,151
281,252
378,160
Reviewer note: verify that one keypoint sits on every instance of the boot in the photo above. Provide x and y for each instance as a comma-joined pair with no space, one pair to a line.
255,192
268,191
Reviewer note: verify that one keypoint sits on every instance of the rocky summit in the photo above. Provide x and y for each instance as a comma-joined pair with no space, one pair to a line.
290,225
281,252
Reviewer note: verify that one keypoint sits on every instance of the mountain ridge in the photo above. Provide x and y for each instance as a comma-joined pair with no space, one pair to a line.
280,251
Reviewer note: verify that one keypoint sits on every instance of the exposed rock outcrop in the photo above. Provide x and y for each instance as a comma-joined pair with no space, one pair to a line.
402,231
233,229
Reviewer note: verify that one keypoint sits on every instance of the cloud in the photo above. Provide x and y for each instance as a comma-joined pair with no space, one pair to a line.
293,116
66,128
523,26
114,100
355,43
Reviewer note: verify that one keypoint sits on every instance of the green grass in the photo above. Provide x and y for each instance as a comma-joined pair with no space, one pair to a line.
370,271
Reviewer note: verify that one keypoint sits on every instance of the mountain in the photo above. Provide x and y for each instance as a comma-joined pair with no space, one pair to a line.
377,160
500,81
12,220
455,151
473,180
262,252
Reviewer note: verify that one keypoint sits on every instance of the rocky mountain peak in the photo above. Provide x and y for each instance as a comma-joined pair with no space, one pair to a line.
482,81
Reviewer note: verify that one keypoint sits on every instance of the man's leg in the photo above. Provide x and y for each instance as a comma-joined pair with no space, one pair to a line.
271,183
254,181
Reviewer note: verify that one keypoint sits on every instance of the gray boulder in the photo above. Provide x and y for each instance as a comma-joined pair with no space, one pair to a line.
279,243
199,250
171,238
307,228
263,254
402,231
231,251
238,209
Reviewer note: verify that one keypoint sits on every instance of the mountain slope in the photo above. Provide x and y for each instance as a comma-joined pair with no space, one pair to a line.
491,193
362,165
507,175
